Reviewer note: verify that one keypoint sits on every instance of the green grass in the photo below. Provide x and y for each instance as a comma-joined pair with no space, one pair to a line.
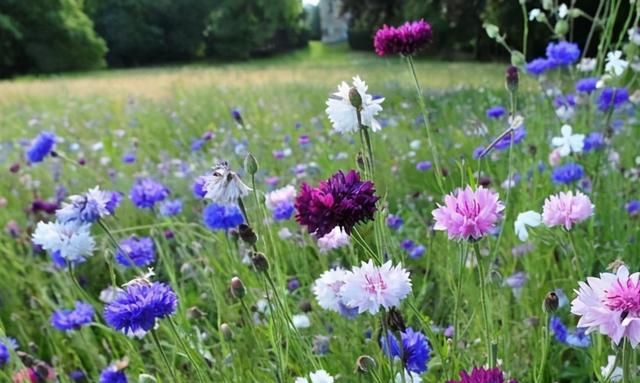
158,112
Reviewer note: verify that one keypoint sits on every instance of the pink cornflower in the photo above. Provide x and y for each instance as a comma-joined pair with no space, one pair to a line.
468,214
611,305
406,39
566,209
369,286
335,239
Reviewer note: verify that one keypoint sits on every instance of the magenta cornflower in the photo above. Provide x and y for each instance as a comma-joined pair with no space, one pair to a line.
566,209
342,200
611,305
406,39
468,214
481,375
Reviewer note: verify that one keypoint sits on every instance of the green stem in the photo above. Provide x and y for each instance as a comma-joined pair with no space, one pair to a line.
483,303
462,260
525,35
545,349
626,362
154,336
187,350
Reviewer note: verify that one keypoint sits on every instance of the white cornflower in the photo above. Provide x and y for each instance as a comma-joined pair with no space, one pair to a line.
563,11
611,371
327,289
565,112
335,239
568,143
528,218
587,64
69,241
615,64
409,377
320,376
369,286
343,115
301,321
224,186
534,14
88,207
634,35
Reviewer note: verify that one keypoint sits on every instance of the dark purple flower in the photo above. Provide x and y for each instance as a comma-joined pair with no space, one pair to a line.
141,251
496,112
563,53
406,244
237,116
406,39
482,375
41,146
304,140
39,205
342,200
14,168
586,85
135,310
612,98
67,320
146,192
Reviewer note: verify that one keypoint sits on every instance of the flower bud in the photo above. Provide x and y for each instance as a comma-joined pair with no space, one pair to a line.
305,306
237,288
360,164
355,98
365,364
260,261
247,234
561,28
195,313
250,164
226,332
551,302
511,79
394,320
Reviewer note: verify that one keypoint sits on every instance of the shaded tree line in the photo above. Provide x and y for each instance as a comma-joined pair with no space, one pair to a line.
48,36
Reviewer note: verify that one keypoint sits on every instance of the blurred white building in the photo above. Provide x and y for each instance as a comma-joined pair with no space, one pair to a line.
334,25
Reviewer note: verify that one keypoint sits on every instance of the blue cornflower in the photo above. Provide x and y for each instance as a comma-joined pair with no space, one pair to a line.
563,53
593,141
237,115
568,100
68,320
129,158
170,208
140,251
41,146
496,112
222,217
518,135
78,376
197,144
577,338
586,85
417,251
415,349
135,310
633,207
5,355
407,244
567,173
394,222
146,192
293,284
612,98
423,166
477,152
283,211
538,66
112,374
197,188
558,328
89,207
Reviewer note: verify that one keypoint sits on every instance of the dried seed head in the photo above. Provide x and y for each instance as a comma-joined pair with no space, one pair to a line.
551,302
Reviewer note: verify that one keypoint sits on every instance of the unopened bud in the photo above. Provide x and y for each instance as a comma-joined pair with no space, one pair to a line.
260,261
237,288
250,164
305,306
394,320
194,313
511,79
247,234
355,98
226,332
365,364
551,302
561,28
360,161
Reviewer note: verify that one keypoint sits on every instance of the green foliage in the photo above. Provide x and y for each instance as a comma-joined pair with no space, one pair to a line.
47,36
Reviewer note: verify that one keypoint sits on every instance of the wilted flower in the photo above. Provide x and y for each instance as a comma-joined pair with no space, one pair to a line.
68,242
41,146
468,214
146,192
566,209
141,251
611,305
89,207
344,116
406,39
224,186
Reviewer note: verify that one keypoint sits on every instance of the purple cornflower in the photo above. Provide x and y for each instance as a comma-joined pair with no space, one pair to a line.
538,66
146,192
342,200
568,100
406,39
586,85
41,146
563,53
197,144
89,207
135,310
197,188
113,374
477,152
293,284
39,205
567,173
496,112
612,98
633,207
406,244
222,217
593,141
482,375
394,222
5,354
518,135
141,251
129,157
68,320
415,352
423,166
170,208
417,251
304,140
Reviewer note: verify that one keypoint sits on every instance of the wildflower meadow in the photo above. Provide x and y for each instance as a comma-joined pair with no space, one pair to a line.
330,216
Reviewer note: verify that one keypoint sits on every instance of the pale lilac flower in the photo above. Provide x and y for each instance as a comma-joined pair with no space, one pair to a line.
528,218
369,286
566,209
335,239
468,214
343,115
568,143
327,289
610,305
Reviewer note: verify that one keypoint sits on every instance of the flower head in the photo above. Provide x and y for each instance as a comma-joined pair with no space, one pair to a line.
320,376
482,375
224,186
41,146
468,214
566,209
141,251
528,218
281,202
89,207
568,143
496,112
406,39
169,208
563,53
68,242
222,217
342,200
334,239
344,116
538,66
567,173
135,310
414,350
586,85
67,320
593,141
369,286
327,292
113,374
519,134
612,98
615,65
611,305
146,192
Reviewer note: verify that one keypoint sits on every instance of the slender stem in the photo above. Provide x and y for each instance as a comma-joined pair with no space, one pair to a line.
367,141
525,35
483,303
545,349
626,362
186,350
154,336
462,260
